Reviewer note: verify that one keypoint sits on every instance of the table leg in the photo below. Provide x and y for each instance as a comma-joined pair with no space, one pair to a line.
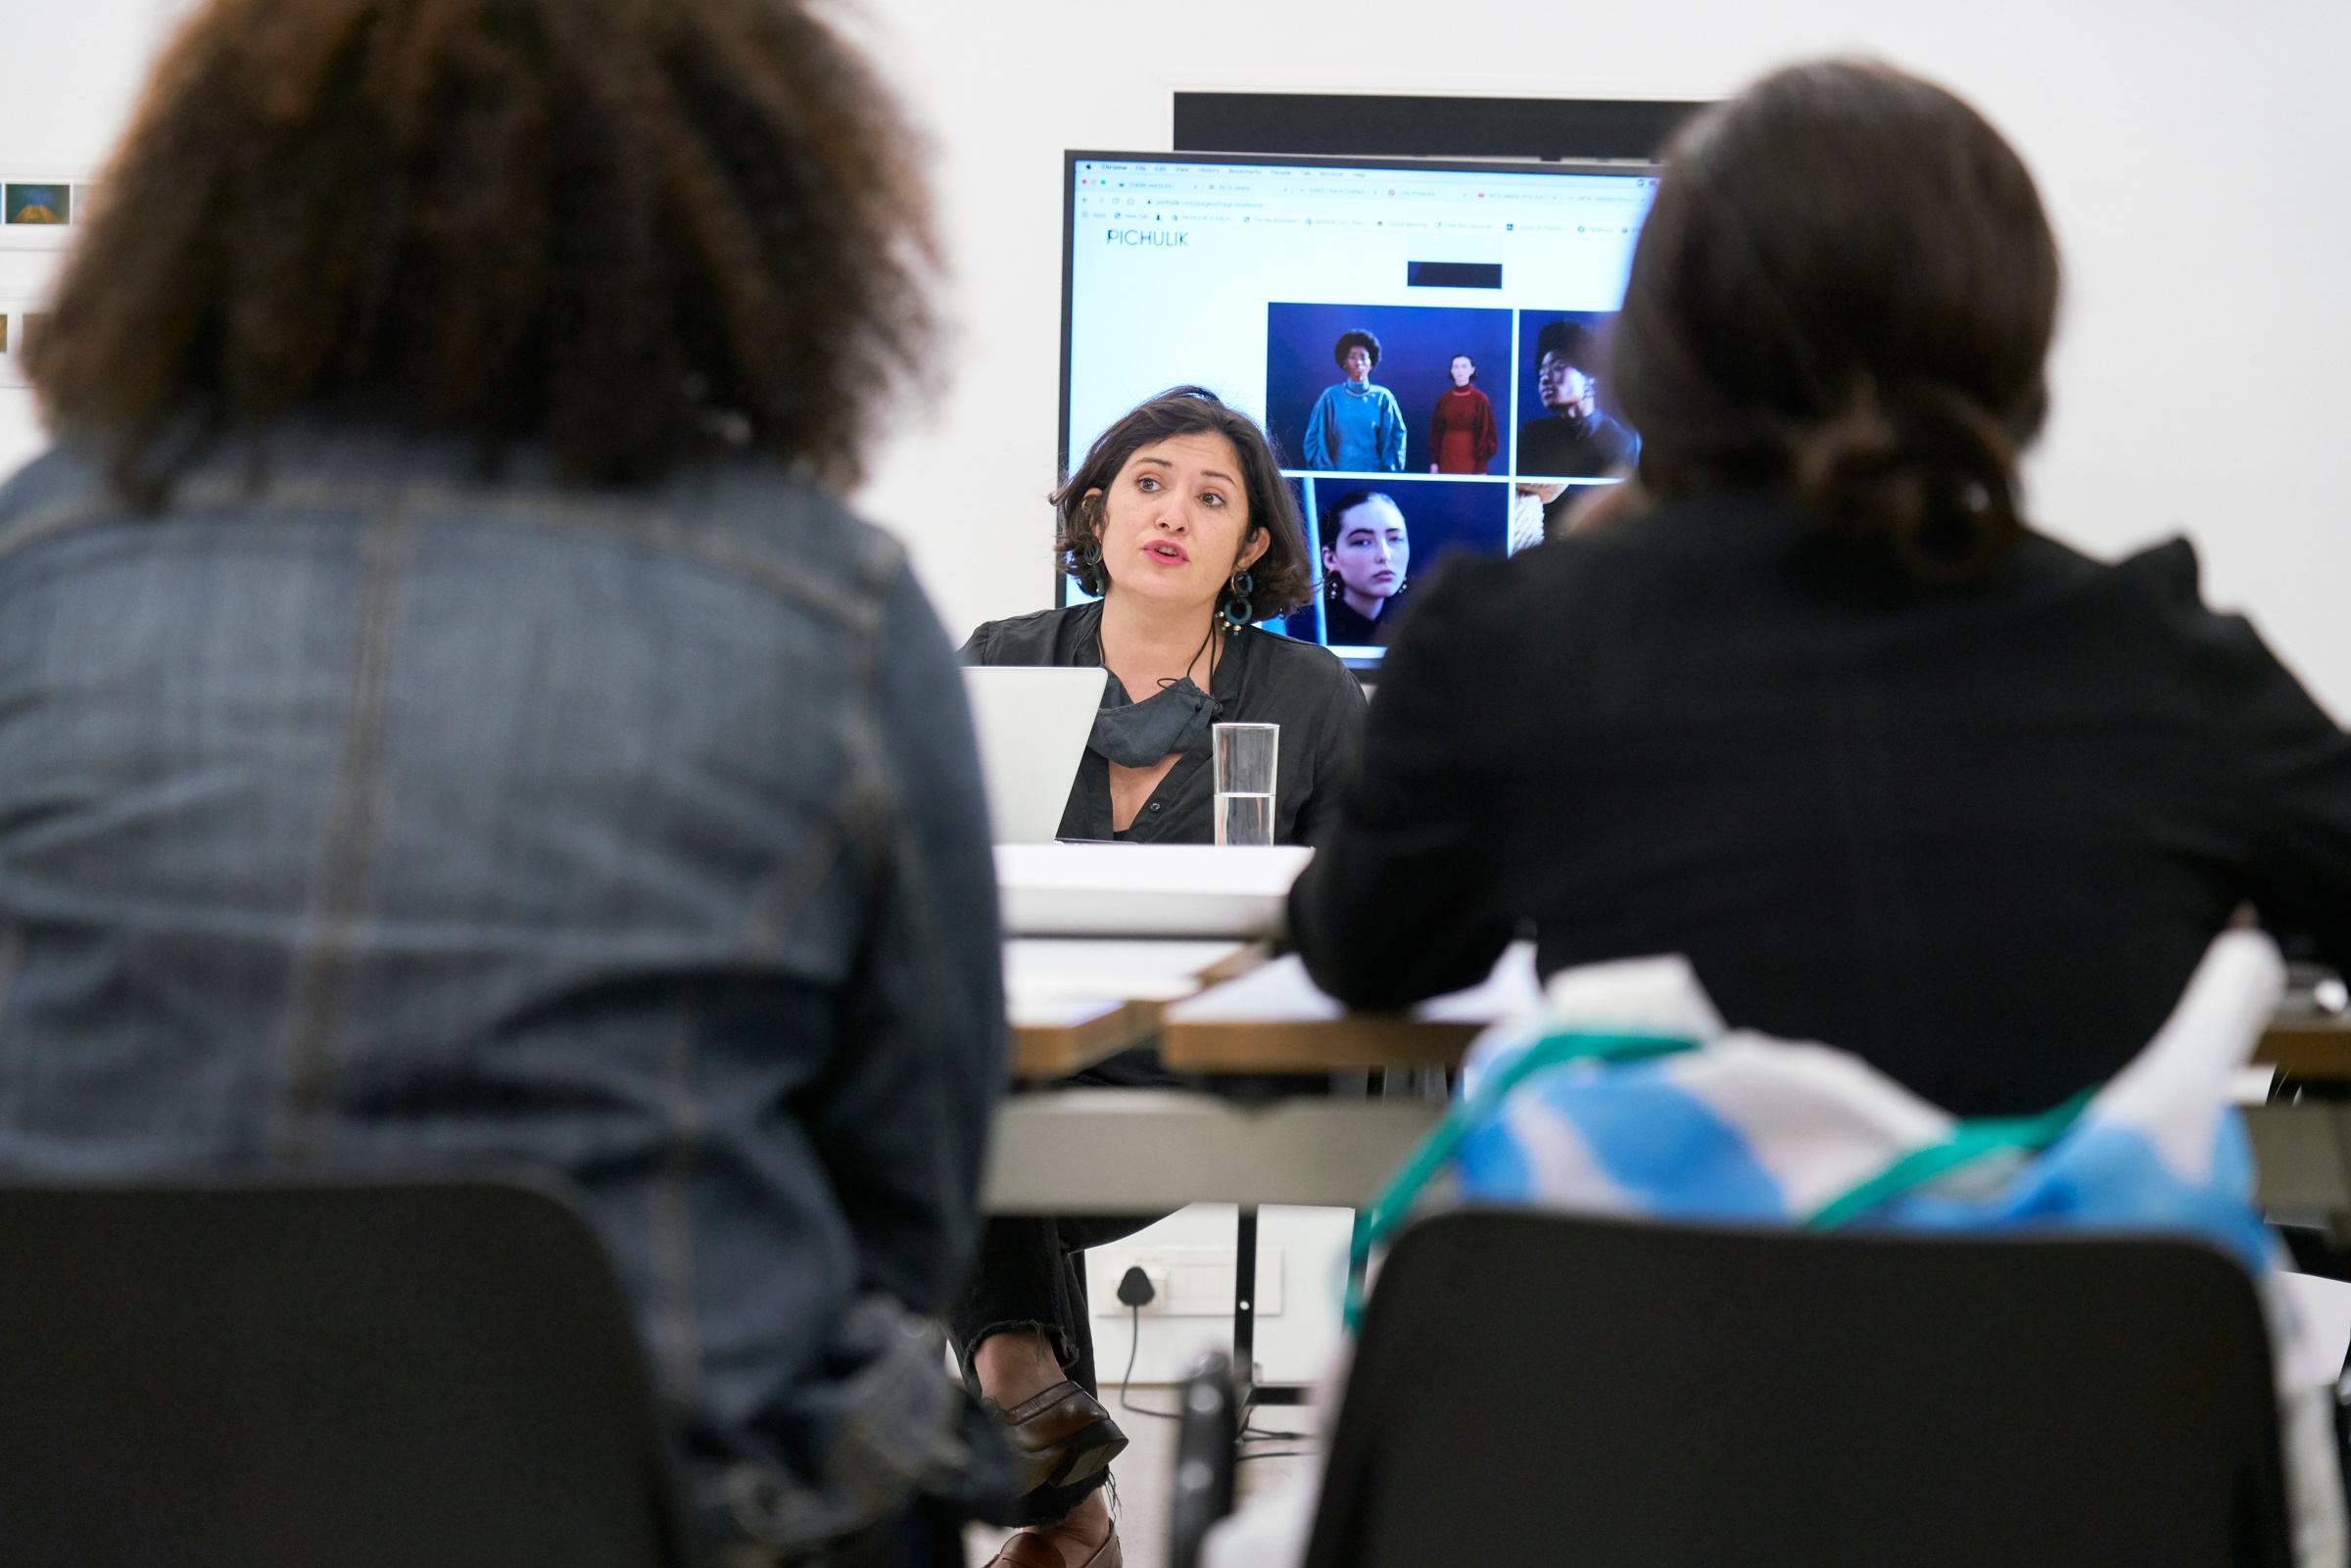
1244,1303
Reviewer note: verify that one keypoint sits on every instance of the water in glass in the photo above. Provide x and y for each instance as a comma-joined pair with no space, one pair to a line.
1244,819
1246,759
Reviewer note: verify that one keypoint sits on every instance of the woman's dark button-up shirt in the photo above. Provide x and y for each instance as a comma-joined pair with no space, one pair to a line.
1982,838
1260,679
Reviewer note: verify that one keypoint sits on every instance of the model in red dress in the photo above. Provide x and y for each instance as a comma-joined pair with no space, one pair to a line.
1462,437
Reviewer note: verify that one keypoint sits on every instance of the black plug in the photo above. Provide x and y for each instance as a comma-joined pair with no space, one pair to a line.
1135,1288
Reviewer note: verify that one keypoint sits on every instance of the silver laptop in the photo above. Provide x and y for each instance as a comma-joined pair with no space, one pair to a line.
1033,725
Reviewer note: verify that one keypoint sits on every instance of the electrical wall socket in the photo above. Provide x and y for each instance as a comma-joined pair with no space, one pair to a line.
1191,1281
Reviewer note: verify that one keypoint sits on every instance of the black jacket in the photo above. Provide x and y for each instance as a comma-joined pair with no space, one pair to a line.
1980,837
1549,445
1344,625
1261,677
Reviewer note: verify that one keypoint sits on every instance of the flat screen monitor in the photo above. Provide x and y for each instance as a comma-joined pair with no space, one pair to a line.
1418,338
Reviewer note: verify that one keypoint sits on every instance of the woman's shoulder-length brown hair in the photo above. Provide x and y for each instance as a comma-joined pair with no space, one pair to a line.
1282,578
635,233
1845,288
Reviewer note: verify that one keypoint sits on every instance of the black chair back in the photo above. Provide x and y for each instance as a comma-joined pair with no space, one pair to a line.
1533,1389
364,1376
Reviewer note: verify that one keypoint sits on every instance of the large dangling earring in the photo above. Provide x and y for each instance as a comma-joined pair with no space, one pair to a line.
1236,612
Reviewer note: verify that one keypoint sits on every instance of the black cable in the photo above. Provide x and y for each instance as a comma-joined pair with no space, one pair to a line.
1135,1289
1249,1415
1135,1343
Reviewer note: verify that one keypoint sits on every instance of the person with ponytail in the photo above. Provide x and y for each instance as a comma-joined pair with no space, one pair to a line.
1180,528
1809,700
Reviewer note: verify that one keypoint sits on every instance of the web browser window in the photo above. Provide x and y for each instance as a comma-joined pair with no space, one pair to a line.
1421,342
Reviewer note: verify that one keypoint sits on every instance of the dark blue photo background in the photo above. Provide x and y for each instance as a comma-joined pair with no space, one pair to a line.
1417,343
1441,517
1530,365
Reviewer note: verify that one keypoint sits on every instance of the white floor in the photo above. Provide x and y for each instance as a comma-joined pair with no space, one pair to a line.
1143,1472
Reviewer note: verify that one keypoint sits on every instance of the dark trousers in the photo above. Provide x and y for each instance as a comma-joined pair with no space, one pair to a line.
1032,1275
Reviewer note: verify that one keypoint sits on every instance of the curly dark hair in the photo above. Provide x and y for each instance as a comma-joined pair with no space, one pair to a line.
634,232
1354,338
1570,341
1283,577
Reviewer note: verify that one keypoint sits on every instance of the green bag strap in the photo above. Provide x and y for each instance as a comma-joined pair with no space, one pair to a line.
1373,1225
1969,1141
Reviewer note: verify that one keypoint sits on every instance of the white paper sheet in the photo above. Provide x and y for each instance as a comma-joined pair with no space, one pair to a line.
1139,971
1146,890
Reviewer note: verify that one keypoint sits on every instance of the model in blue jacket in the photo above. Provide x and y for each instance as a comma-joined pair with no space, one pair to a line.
1356,427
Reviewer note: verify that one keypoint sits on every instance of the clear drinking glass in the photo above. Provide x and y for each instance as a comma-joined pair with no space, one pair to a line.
1245,758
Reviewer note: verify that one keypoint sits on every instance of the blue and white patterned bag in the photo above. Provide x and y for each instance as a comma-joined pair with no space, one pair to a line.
1627,1095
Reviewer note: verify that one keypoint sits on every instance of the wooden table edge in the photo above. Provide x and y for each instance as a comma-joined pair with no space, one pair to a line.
1055,1051
1311,1045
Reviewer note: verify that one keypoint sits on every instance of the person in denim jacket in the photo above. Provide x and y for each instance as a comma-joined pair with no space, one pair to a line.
447,721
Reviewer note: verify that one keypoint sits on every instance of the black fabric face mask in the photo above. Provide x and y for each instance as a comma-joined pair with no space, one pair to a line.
1137,734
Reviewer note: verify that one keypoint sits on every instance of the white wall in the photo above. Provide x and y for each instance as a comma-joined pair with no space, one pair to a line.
2196,159
74,72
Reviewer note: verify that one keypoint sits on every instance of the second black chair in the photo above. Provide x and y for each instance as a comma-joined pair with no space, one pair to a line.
1532,1389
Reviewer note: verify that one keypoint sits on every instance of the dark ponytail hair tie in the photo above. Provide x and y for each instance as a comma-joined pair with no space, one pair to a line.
1917,470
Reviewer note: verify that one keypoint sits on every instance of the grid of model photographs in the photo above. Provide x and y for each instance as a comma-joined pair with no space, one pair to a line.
1416,431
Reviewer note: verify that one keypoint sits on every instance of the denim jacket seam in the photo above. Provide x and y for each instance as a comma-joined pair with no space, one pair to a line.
875,557
314,995
922,988
785,891
44,523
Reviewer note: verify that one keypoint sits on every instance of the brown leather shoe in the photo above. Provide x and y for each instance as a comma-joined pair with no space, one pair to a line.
1060,1436
1029,1550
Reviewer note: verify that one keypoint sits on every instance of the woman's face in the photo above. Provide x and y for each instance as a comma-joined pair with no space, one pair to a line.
1564,389
1176,522
1358,362
1373,551
1462,369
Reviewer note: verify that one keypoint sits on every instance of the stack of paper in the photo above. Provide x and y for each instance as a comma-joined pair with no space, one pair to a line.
1281,993
1146,890
1044,968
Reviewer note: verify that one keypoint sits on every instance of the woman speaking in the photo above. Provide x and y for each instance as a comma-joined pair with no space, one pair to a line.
1180,520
